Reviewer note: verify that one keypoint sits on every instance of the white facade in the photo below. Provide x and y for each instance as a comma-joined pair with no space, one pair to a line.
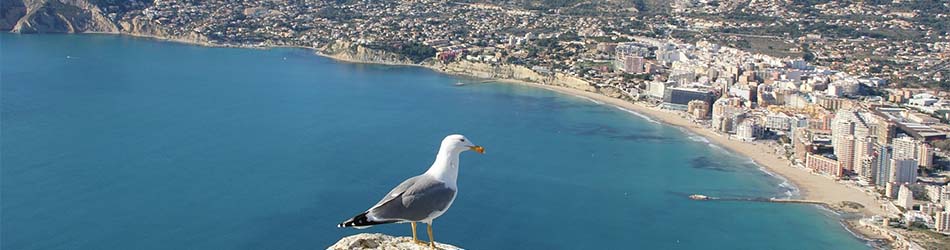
905,198
779,121
748,130
656,89
905,148
942,222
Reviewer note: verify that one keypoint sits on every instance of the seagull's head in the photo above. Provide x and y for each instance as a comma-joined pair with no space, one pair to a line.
458,143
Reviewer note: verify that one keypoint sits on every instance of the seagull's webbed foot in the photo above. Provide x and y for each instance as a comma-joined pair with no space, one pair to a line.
431,239
415,240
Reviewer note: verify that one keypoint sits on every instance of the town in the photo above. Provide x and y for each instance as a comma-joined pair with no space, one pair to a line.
865,108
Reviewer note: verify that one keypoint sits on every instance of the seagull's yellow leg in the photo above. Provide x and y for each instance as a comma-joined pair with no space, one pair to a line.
414,239
431,239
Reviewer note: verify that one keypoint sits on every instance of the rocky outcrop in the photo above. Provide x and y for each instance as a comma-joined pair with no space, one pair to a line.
61,16
512,72
10,13
78,16
141,27
572,82
382,242
347,51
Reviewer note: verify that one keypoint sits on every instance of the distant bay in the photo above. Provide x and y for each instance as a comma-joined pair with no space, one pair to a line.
111,142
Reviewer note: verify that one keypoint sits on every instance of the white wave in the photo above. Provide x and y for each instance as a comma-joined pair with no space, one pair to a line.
645,117
591,100
694,137
829,210
702,139
698,139
638,114
873,243
791,191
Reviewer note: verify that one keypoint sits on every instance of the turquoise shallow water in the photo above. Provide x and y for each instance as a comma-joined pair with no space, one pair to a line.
122,143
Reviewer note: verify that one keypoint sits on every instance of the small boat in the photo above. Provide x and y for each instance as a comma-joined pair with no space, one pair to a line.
459,84
699,197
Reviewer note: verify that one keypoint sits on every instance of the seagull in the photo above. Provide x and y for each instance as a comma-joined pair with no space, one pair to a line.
421,198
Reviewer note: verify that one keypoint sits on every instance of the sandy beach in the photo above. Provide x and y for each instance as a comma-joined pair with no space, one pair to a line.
811,186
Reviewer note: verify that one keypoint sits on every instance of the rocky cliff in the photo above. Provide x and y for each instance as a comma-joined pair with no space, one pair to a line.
10,13
78,16
347,51
512,72
55,16
382,242
140,27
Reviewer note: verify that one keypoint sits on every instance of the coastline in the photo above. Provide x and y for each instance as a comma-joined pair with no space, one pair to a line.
831,192
801,180
806,182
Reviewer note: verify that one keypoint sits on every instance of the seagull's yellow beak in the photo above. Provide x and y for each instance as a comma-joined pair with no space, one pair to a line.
478,149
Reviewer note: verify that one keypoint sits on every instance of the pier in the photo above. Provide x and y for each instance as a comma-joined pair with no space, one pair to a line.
756,199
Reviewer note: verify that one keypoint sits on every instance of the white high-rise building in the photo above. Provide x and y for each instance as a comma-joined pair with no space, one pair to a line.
868,169
905,148
934,192
925,155
849,139
844,151
905,198
930,209
863,156
942,222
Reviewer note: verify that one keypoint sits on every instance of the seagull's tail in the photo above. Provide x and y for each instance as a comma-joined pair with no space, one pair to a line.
360,221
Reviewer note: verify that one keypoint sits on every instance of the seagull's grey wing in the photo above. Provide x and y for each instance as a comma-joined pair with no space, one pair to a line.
402,187
423,197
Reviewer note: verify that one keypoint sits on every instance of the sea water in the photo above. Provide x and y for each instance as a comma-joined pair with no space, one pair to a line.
113,142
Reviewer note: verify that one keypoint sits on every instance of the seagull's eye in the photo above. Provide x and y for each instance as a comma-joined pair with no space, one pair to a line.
462,140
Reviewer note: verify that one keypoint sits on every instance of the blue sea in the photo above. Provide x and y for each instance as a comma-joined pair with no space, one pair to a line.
112,142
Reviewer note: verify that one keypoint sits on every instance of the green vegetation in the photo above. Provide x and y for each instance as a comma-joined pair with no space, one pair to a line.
417,52
338,14
807,55
568,36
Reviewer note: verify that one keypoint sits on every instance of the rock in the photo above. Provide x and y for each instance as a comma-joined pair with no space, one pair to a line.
382,242
10,13
348,51
58,16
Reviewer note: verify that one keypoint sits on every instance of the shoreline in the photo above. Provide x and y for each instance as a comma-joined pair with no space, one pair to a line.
801,180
